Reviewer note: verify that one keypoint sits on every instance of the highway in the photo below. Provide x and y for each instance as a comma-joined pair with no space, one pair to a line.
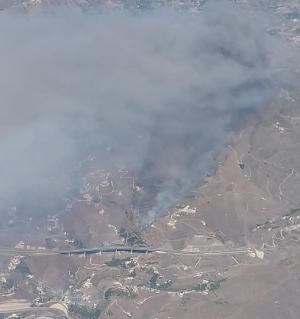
128,249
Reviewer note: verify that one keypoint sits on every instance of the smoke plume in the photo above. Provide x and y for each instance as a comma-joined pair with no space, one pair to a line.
162,89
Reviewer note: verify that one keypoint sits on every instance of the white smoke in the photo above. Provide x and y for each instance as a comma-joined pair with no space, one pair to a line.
163,88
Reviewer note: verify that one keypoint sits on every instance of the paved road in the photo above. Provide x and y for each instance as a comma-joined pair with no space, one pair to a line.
28,311
132,250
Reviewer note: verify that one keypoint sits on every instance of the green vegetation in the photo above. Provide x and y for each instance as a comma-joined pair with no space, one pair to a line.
207,285
158,285
119,292
84,312
153,280
131,237
165,285
118,262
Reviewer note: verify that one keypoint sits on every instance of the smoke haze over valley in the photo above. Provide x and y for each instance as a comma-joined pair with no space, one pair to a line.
149,159
156,92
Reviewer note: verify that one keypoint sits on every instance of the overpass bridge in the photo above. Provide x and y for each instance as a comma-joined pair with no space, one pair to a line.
201,251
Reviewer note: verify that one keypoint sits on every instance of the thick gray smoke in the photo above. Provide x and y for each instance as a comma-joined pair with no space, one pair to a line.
163,90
